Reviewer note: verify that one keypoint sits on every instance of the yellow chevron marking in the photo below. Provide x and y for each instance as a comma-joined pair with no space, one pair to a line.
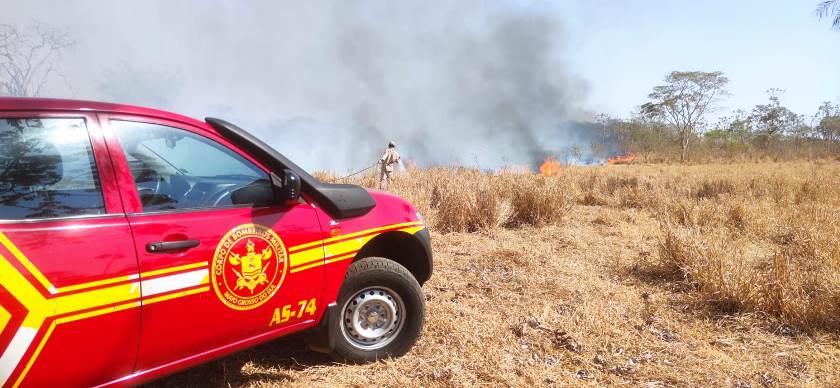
43,279
102,296
26,263
41,308
34,356
94,313
309,255
305,267
65,320
413,230
175,295
329,260
173,269
315,243
306,256
344,236
340,258
339,251
331,248
4,318
343,247
120,279
97,283
18,286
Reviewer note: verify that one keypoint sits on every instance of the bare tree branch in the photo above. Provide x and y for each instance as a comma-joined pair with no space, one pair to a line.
30,57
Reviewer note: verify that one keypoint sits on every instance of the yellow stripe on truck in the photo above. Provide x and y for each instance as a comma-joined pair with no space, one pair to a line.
26,263
123,292
4,318
306,256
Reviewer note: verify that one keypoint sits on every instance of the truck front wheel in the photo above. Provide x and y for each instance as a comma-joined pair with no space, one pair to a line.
381,311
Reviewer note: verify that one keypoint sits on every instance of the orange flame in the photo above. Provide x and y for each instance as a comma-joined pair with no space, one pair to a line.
622,159
550,167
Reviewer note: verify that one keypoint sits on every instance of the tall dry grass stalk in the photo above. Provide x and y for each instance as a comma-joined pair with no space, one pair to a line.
536,200
469,200
745,237
760,238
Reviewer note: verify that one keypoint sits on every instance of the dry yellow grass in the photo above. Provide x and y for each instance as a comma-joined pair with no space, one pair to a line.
712,275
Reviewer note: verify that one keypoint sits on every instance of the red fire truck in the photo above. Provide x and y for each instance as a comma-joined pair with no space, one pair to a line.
135,243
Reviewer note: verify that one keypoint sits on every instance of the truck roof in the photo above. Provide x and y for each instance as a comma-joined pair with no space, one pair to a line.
54,104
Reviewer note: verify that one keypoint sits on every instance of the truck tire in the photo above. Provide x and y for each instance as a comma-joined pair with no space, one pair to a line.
381,312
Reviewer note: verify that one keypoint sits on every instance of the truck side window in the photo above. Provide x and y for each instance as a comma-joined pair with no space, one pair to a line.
175,169
47,169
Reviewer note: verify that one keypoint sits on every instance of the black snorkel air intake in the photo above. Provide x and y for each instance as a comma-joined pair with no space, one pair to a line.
339,200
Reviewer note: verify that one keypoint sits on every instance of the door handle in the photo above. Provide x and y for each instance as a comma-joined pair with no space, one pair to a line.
169,246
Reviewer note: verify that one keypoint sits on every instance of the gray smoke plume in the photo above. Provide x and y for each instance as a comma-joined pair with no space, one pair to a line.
330,83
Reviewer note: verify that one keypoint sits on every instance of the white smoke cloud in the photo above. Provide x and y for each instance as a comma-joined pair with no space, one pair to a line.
329,83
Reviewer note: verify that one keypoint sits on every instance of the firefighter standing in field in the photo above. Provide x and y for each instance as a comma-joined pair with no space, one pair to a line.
386,165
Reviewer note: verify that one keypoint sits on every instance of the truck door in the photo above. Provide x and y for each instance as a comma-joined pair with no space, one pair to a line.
69,295
219,267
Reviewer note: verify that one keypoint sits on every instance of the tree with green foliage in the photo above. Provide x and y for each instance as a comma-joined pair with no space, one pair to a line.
684,100
643,135
828,118
830,9
738,126
773,119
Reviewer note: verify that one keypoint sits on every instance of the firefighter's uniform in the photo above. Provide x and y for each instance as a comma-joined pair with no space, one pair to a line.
386,165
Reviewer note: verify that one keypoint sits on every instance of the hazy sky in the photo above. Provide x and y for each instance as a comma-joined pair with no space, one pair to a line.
621,47
625,47
467,81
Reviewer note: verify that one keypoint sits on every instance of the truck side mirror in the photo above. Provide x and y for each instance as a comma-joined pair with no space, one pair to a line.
287,186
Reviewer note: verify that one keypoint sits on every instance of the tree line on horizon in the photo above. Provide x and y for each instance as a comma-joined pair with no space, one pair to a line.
672,125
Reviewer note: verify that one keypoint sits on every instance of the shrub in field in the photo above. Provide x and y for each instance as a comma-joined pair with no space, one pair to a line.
731,274
674,256
466,210
773,248
466,200
751,237
714,188
487,208
636,198
616,188
455,212
591,198
537,200
615,183
457,200
589,185
737,217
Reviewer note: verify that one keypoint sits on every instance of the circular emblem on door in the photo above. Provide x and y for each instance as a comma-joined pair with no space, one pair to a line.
249,266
